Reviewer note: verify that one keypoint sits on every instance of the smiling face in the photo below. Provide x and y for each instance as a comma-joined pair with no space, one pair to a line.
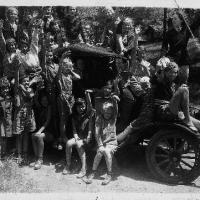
12,15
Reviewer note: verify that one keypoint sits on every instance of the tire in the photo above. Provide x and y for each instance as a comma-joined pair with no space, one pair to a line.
169,157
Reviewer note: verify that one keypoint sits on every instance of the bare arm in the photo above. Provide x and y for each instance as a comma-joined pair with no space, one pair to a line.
97,132
120,43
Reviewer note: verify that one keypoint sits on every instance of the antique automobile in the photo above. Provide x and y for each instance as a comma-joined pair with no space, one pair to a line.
172,149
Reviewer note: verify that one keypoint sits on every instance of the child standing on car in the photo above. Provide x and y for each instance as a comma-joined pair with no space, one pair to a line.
24,117
105,133
6,111
82,132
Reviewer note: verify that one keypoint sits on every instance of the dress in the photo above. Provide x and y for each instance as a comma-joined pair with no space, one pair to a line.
24,120
6,111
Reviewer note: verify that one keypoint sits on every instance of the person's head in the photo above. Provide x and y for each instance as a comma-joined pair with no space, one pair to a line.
177,22
67,64
145,82
107,89
80,106
171,72
50,40
12,14
69,10
107,111
80,65
127,25
25,80
160,66
49,56
11,45
4,87
55,26
48,11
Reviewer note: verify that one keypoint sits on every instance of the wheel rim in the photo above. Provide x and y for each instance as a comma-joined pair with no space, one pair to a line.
175,157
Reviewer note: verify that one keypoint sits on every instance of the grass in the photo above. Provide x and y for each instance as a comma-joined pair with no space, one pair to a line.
12,178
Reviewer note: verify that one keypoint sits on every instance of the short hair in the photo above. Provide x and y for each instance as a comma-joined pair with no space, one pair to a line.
11,9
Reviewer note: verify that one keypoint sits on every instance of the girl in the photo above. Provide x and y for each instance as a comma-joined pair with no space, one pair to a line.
105,133
24,121
6,111
82,132
65,98
43,130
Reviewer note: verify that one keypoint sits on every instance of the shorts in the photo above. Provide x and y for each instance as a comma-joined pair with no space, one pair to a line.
24,121
112,148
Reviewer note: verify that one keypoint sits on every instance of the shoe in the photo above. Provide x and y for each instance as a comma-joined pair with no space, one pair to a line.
38,164
107,179
90,178
81,174
32,164
66,170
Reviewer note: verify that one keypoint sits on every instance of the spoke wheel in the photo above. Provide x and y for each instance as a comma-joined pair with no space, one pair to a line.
173,156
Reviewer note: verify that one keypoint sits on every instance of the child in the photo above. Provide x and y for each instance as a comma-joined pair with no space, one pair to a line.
65,98
43,130
24,121
6,111
105,133
82,132
10,26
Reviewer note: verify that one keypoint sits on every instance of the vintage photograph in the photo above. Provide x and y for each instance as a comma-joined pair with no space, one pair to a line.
99,99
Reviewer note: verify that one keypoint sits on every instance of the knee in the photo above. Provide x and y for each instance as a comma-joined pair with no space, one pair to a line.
184,90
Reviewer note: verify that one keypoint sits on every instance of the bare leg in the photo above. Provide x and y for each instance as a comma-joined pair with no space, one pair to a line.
82,154
108,157
19,145
69,144
40,145
34,142
97,160
180,102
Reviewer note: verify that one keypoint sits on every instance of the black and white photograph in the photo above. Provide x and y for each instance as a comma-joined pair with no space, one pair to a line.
100,100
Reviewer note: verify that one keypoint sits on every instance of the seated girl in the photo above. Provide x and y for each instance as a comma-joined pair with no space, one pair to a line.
105,133
44,130
82,121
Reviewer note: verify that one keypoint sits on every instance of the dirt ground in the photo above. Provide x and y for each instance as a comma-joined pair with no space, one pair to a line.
131,175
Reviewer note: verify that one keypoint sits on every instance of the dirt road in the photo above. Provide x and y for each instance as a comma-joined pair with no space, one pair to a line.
132,176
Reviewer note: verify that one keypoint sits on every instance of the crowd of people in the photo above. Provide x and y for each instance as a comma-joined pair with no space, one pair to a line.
42,90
